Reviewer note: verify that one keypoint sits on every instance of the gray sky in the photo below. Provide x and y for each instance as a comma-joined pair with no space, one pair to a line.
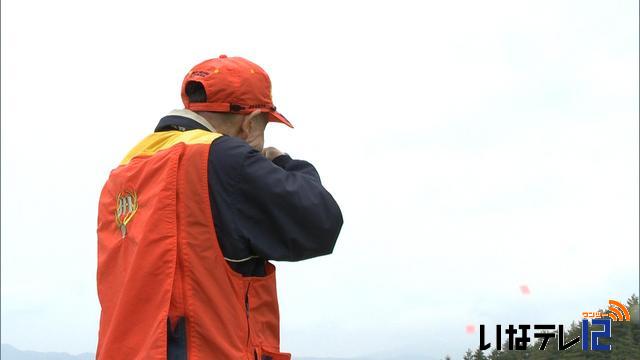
474,147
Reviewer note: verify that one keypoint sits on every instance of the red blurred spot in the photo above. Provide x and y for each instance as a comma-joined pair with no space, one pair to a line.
470,329
524,289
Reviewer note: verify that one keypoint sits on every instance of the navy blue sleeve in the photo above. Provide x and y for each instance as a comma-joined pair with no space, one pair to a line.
279,210
226,155
294,217
299,166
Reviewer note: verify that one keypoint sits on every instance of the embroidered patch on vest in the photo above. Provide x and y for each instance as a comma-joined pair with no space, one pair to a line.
126,207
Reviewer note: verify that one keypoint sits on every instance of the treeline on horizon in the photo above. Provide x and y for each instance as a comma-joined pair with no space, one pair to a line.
625,343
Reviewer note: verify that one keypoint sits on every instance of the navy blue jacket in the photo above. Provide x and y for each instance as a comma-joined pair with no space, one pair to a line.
264,210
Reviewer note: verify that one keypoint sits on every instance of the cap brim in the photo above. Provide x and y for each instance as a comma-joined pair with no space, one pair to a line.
277,117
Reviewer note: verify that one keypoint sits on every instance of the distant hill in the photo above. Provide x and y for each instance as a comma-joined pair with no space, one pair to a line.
8,352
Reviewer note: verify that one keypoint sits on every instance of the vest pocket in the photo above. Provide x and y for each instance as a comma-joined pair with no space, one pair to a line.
261,353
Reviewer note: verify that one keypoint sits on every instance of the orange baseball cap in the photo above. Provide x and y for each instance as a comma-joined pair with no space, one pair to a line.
232,84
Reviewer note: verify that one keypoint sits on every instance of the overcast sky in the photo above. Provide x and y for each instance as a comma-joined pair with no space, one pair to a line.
473,146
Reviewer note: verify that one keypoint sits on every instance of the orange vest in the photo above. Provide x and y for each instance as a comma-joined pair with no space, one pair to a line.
159,258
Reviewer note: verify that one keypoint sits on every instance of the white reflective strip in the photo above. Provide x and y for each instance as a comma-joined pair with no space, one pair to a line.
241,260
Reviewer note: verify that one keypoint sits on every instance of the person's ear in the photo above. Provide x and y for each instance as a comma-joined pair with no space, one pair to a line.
247,124
254,114
245,127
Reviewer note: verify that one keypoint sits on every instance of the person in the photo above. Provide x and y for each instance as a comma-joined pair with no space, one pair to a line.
190,219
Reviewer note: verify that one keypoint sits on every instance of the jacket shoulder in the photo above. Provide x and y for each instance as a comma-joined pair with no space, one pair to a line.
163,140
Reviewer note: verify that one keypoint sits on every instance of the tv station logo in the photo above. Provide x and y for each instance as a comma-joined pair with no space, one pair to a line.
618,312
596,326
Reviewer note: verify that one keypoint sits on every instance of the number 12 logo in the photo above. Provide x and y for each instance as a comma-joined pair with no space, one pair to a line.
596,334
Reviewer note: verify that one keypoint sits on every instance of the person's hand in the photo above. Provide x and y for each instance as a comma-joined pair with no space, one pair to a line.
271,153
